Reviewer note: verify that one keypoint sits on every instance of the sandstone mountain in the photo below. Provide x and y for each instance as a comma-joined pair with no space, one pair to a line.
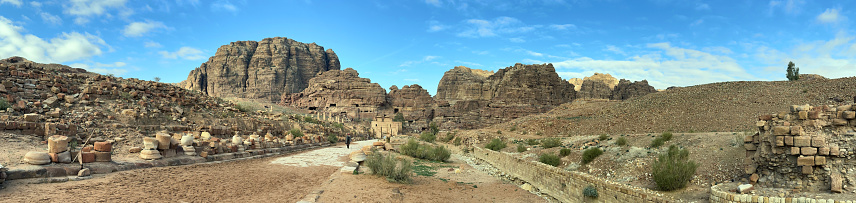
340,92
412,101
592,89
606,78
261,70
626,89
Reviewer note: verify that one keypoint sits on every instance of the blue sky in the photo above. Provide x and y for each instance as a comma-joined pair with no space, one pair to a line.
402,42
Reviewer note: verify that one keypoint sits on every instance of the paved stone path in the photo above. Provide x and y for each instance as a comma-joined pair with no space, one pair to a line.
329,156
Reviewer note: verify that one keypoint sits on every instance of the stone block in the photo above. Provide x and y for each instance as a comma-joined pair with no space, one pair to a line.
819,160
765,117
135,150
803,115
164,139
807,170
834,151
57,144
32,117
748,138
187,140
805,161
203,154
789,140
168,153
149,154
797,130
86,149
780,141
849,115
823,151
37,158
760,123
87,157
802,141
836,182
753,178
839,122
795,151
808,151
103,146
749,147
781,130
63,157
103,156
814,114
150,143
818,142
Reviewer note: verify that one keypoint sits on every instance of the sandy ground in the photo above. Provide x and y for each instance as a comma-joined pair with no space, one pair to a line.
277,179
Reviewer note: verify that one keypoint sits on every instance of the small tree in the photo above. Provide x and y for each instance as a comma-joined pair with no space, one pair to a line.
157,79
434,128
398,117
496,144
793,72
673,170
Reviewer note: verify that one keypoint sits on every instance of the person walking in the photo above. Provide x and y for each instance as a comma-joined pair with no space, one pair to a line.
348,141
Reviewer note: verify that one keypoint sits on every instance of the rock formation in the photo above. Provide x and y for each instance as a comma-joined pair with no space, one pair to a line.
467,99
601,77
592,89
340,91
626,89
265,69
412,101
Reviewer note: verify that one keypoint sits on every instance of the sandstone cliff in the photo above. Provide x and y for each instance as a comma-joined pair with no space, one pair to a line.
606,78
340,91
462,83
265,69
626,89
592,89
412,101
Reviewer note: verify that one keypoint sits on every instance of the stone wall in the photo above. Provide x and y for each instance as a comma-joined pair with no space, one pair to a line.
806,148
566,186
383,125
718,195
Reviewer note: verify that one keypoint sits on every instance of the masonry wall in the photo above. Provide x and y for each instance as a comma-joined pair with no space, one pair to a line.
566,186
718,194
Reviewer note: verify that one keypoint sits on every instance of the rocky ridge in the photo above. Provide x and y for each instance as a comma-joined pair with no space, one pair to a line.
261,70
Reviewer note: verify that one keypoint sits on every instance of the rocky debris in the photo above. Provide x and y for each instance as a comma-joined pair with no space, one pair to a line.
804,148
592,89
626,89
265,69
600,77
745,188
340,91
412,101
810,77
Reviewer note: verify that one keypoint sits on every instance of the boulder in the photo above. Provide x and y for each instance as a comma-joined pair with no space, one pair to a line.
135,150
37,158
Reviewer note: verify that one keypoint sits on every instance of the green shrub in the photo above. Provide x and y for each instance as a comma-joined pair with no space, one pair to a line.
550,159
424,151
398,117
621,141
434,128
427,136
590,192
496,144
564,152
532,142
499,132
332,138
513,128
603,137
521,148
309,119
673,170
551,142
386,166
457,141
590,154
666,136
4,104
449,137
296,133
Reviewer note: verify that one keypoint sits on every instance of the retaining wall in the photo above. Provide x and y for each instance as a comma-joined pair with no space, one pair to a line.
718,195
566,186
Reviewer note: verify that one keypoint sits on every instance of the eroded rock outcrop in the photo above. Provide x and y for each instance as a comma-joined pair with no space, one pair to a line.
605,78
261,70
626,89
462,83
340,91
592,89
412,101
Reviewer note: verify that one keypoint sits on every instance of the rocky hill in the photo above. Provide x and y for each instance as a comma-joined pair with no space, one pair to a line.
719,107
340,92
53,99
605,78
261,70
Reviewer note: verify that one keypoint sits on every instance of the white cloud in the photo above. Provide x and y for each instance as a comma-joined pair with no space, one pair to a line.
436,3
470,64
789,6
516,40
13,2
829,16
138,29
66,47
532,53
424,59
186,53
51,19
101,68
614,49
476,28
832,58
663,66
481,52
697,22
563,26
85,9
224,5
436,26
152,44
702,7
35,4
